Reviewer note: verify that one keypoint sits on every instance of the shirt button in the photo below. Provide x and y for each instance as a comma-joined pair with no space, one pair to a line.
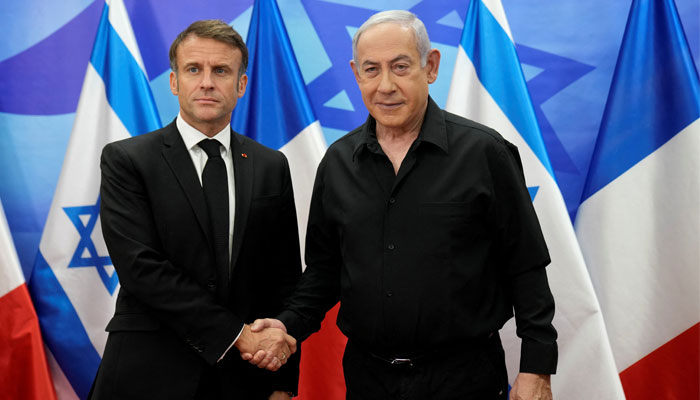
392,200
389,293
211,284
390,246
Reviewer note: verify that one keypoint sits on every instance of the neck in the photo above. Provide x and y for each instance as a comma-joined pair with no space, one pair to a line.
399,133
210,129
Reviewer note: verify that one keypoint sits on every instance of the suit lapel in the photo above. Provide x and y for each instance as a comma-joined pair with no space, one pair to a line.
243,169
180,162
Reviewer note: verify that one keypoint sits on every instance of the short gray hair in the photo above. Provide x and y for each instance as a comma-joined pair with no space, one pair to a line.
405,19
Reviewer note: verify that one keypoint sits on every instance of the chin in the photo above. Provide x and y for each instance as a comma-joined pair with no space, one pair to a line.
390,121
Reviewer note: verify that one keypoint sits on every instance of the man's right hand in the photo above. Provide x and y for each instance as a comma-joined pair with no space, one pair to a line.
271,346
263,358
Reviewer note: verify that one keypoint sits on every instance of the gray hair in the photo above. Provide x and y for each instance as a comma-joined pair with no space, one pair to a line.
405,19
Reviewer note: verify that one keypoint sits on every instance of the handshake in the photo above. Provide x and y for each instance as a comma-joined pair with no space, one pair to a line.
266,344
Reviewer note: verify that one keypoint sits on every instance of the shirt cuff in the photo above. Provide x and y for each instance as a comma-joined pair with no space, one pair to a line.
231,345
538,358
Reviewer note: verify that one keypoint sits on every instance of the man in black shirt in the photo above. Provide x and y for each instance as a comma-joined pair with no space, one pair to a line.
423,228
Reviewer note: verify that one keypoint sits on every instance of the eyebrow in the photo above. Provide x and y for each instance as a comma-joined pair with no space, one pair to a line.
400,57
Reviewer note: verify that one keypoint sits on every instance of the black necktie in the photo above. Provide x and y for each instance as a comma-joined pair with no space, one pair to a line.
215,185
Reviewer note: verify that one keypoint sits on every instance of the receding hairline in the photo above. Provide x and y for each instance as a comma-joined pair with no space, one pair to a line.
402,18
406,29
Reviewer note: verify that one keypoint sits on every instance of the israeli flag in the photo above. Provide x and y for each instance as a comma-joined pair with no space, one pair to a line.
73,283
639,221
488,86
276,110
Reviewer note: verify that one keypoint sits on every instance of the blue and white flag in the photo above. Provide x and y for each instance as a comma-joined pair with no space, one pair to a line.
639,221
73,283
276,110
488,86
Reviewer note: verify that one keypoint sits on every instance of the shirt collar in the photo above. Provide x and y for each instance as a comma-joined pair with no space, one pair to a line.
432,131
191,136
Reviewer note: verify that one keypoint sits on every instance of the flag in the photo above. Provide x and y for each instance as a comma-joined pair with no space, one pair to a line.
276,112
24,373
639,220
73,283
488,86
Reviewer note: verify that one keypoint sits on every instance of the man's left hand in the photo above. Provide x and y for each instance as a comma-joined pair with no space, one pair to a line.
277,395
531,387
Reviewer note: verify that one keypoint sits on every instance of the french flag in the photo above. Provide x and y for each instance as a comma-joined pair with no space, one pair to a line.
73,283
276,112
24,372
639,221
488,86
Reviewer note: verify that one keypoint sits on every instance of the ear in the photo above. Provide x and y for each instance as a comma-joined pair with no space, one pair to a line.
242,84
355,71
432,64
173,83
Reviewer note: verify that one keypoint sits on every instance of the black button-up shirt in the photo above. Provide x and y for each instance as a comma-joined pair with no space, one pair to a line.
443,251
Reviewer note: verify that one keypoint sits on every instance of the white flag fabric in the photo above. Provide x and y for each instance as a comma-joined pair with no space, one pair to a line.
73,283
488,87
276,110
639,221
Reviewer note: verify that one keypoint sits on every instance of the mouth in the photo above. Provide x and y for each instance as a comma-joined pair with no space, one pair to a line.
206,100
388,106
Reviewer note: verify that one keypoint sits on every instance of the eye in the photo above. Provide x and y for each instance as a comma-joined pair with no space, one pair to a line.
401,67
371,71
220,71
193,70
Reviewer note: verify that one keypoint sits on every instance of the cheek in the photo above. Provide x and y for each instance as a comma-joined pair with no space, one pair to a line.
368,89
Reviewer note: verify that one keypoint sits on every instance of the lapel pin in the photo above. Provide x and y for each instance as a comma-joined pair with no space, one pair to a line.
244,155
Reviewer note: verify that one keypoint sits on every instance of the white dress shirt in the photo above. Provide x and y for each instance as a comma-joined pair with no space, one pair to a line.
191,136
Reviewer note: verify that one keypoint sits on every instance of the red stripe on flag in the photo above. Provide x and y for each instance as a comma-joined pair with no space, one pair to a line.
670,372
321,369
24,373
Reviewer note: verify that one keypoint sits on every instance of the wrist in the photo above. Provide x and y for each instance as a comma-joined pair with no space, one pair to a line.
243,340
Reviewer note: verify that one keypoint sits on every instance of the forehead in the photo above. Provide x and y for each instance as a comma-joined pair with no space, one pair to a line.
200,50
386,41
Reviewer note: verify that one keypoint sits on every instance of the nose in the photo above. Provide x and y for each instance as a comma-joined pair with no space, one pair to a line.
206,82
386,82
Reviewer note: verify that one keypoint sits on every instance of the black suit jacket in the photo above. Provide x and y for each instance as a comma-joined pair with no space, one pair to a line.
175,313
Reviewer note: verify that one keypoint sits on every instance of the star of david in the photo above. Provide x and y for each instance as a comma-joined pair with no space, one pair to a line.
86,253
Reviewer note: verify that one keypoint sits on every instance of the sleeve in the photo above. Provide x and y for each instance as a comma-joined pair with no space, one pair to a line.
163,291
319,288
525,257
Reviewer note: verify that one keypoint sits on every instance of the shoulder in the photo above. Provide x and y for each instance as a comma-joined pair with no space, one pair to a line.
465,134
460,126
137,146
344,148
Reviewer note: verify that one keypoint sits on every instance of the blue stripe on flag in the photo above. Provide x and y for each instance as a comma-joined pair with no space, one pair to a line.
62,329
276,105
128,91
653,96
494,57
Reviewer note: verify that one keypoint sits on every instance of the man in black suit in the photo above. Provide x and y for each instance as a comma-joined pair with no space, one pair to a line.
193,214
